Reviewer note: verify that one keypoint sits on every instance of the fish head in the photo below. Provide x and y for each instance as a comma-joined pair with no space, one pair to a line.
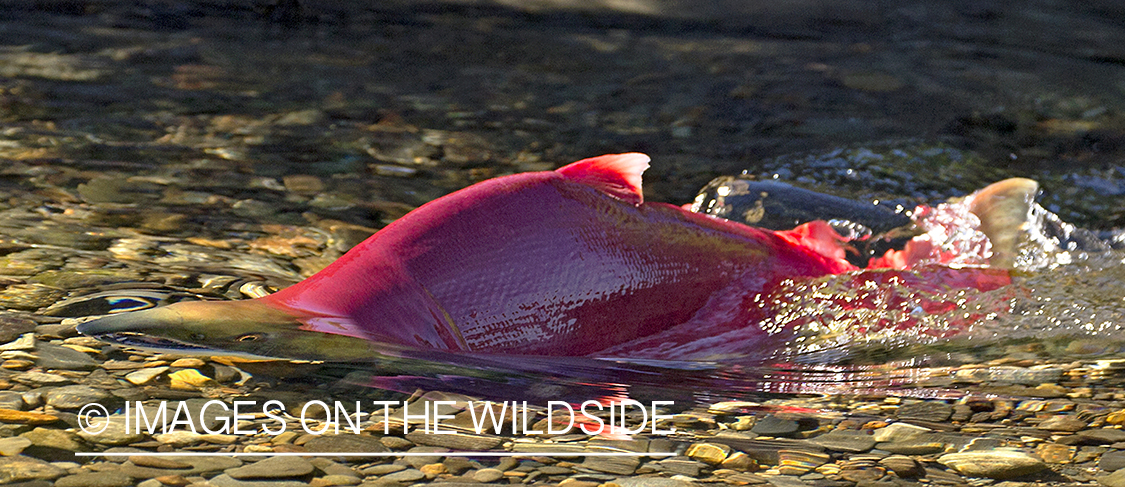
249,329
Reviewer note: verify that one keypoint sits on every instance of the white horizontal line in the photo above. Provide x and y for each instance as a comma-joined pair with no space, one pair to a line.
381,454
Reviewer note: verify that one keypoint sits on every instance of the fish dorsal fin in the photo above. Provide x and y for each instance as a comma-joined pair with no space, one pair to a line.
618,175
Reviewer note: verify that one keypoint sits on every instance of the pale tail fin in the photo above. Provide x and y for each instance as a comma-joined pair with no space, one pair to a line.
1004,209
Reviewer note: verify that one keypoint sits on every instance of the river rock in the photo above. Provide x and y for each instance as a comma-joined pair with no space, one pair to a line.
144,376
713,453
95,479
408,475
12,446
651,482
845,441
931,411
12,401
115,433
20,468
41,379
62,358
1062,423
273,468
74,397
993,464
345,443
773,426
487,475
225,480
1115,479
53,438
11,416
456,441
895,432
613,465
1112,461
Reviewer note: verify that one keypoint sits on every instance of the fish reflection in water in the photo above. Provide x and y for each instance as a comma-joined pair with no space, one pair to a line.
814,325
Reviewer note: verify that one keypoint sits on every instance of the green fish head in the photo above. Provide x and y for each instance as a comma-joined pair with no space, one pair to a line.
249,329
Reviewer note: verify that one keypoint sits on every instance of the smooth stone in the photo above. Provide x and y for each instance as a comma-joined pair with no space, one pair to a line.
845,440
273,468
1115,479
383,469
114,434
20,468
95,479
396,443
613,465
1062,423
1103,435
62,358
651,482
419,461
12,446
932,411
332,480
12,401
487,475
53,438
345,443
713,453
993,464
13,328
42,379
896,432
11,416
143,376
225,480
691,468
199,466
773,426
74,397
903,466
1112,461
456,441
408,475
189,363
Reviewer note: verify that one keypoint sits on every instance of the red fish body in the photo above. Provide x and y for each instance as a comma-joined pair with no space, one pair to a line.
568,262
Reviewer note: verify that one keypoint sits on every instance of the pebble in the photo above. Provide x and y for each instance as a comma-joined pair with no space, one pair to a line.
190,380
713,453
20,468
55,357
773,426
456,441
115,433
74,397
931,411
12,446
1062,423
225,480
613,465
272,468
995,464
54,438
144,376
345,443
651,482
26,417
487,475
95,479
1112,461
408,475
1115,479
845,440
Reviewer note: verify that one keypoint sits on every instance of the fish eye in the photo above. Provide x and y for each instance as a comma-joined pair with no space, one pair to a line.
249,337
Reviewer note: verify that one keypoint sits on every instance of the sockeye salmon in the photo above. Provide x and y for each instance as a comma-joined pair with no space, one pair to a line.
571,262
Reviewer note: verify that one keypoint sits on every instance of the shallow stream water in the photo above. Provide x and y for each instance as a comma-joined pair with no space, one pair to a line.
188,150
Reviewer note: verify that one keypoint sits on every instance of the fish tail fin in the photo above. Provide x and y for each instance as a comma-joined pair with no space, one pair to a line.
1004,210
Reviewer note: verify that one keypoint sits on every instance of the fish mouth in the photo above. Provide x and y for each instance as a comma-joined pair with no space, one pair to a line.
148,342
